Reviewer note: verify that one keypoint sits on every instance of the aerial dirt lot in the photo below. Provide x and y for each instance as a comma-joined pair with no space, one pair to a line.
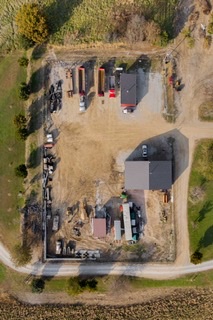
90,150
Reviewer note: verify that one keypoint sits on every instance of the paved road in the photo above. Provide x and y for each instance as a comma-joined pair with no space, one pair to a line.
154,271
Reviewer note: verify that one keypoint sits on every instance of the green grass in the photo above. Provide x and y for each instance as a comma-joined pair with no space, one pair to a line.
200,210
86,21
206,111
2,273
11,149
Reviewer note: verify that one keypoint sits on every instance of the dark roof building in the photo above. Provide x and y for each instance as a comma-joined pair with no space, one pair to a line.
128,90
148,175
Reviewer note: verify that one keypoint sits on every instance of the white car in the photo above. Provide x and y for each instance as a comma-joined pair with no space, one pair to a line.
144,150
128,110
82,106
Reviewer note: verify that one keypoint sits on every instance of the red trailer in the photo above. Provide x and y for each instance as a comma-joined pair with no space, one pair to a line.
81,81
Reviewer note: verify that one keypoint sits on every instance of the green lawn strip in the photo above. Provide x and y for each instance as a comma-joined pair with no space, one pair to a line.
200,212
2,273
11,149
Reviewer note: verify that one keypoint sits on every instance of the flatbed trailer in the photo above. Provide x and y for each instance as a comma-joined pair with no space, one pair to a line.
81,81
101,82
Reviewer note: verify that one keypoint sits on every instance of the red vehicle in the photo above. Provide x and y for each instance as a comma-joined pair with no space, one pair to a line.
112,86
101,82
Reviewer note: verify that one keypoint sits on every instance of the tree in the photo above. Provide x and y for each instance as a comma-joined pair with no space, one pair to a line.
32,23
23,133
24,91
20,120
196,257
37,285
23,61
21,254
21,171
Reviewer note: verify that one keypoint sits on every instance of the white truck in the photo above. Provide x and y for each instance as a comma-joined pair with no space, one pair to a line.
55,223
58,247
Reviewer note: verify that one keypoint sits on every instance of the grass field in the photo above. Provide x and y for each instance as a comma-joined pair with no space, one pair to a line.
87,20
11,149
200,204
206,111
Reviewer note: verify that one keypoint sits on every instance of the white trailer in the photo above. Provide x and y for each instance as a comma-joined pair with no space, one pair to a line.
127,221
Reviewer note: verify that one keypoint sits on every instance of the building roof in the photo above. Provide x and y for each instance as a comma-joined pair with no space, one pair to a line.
117,229
148,175
99,227
128,90
127,221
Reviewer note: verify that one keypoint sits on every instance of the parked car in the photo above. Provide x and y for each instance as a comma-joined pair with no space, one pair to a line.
144,150
128,110
82,107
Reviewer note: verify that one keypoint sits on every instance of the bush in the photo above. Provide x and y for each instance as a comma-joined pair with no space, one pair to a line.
196,257
74,287
23,133
24,91
20,120
21,171
77,285
21,255
37,285
23,61
24,43
32,23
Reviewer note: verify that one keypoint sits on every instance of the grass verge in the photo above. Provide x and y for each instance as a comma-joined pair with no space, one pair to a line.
206,111
200,203
11,149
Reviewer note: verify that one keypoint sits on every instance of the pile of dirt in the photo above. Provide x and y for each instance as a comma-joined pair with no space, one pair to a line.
181,304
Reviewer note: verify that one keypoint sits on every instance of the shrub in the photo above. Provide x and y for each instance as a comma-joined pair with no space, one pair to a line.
21,171
196,257
24,91
23,61
20,120
23,133
24,43
37,285
21,255
32,23
74,287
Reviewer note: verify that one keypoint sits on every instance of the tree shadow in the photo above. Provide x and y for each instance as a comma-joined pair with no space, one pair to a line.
58,13
37,78
207,239
181,16
207,207
36,115
34,159
38,51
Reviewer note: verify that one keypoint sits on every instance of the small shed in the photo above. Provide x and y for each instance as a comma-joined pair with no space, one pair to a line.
128,90
99,227
117,229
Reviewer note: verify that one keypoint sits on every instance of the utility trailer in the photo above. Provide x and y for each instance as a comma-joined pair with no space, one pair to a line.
81,81
112,86
69,77
55,223
101,82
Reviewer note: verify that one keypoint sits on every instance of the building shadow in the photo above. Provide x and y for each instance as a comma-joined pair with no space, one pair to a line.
171,146
207,239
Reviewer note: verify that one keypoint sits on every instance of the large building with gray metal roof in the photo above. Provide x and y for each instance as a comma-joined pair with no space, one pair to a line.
148,175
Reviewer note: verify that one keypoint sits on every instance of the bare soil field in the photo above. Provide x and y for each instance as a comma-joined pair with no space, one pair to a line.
179,304
90,150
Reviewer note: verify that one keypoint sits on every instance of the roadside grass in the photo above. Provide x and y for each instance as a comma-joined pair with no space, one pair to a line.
11,149
200,203
2,273
206,111
107,283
